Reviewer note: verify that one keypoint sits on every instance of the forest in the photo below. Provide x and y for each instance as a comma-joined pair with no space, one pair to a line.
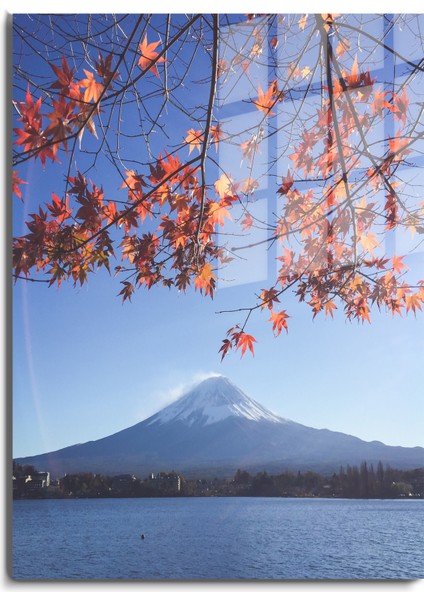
364,481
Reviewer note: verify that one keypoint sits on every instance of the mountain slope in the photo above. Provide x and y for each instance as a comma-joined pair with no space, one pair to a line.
216,428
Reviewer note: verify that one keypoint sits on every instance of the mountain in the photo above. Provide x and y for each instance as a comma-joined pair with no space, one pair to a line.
215,429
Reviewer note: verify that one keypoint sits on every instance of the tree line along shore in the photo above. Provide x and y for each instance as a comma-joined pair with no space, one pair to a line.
364,481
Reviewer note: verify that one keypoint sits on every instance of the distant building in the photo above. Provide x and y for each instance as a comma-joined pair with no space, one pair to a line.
38,481
165,482
28,484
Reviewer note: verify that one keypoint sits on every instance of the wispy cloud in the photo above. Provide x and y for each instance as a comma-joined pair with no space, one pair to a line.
170,392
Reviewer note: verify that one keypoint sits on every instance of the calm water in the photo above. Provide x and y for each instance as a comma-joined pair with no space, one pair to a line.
218,538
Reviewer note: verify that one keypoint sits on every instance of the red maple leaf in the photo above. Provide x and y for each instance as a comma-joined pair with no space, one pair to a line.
104,69
268,298
16,182
287,184
216,134
247,222
225,348
237,337
59,209
65,77
62,118
127,291
400,106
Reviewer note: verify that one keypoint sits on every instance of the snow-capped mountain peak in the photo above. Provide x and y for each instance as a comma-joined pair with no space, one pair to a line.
213,400
216,428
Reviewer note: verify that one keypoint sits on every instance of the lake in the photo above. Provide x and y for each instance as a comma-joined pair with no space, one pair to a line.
217,538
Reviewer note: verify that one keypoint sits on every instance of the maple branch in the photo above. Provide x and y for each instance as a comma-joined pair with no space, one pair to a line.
94,107
297,278
359,127
334,158
160,54
31,279
212,93
379,42
328,51
133,206
24,156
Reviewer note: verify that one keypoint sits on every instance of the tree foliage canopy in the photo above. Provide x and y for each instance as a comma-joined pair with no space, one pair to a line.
187,143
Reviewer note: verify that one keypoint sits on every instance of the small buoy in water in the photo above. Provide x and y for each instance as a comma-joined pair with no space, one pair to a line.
142,536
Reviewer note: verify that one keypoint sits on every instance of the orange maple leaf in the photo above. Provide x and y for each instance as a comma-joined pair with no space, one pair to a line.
302,22
205,279
110,212
353,78
362,310
245,342
342,47
250,185
368,241
398,265
223,185
265,101
413,302
133,181
218,212
279,320
398,144
329,307
250,147
241,340
148,59
180,202
194,139
222,67
380,103
400,106
93,87
104,68
328,19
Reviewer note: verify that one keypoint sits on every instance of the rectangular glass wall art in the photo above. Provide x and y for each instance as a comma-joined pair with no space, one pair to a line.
218,289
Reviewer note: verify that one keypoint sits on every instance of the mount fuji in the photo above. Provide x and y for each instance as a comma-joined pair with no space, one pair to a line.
213,430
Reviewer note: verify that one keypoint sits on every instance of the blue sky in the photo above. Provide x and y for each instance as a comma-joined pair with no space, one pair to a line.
86,366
